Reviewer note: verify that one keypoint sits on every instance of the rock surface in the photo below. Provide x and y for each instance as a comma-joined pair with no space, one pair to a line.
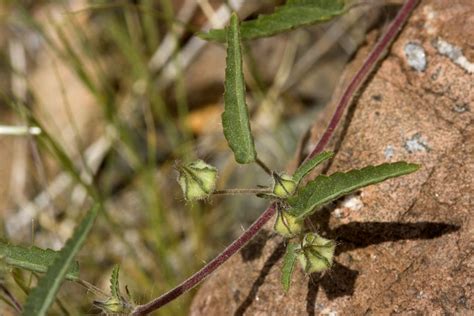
404,246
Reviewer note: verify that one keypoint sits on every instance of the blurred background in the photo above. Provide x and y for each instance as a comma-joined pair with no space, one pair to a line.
122,90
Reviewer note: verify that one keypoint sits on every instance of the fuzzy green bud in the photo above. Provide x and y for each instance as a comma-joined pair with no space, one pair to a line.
113,305
197,180
287,225
283,185
316,254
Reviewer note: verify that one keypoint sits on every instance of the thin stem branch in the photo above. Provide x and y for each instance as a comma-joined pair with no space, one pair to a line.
241,191
90,287
208,268
359,78
237,244
264,166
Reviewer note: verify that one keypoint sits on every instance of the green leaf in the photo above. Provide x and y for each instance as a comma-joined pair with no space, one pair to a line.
235,118
43,295
33,259
295,13
288,265
115,304
309,165
114,282
325,189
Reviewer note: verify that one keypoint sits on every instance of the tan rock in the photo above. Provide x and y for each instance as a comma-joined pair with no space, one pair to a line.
408,248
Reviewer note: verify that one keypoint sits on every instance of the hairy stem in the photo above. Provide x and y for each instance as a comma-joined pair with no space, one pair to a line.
90,287
208,268
375,55
241,191
381,46
264,166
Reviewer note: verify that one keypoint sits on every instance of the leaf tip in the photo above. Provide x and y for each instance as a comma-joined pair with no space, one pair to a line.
234,16
409,167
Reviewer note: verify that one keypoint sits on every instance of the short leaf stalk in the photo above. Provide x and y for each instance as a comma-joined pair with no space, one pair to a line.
241,191
264,166
376,54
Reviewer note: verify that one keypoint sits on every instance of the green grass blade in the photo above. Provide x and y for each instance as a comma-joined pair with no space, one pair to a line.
295,13
33,259
325,189
309,165
43,295
288,265
235,119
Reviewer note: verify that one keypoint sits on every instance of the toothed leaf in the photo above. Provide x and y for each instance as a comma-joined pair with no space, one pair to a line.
114,282
288,265
235,119
325,189
309,165
33,259
295,13
43,295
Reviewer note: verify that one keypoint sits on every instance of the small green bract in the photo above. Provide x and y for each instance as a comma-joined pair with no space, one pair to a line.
316,253
112,305
197,180
283,185
287,225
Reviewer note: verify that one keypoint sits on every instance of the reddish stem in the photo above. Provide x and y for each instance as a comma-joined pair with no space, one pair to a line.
235,246
208,268
382,44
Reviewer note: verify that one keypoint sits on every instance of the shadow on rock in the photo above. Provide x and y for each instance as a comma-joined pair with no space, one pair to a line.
276,255
253,250
340,281
360,235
